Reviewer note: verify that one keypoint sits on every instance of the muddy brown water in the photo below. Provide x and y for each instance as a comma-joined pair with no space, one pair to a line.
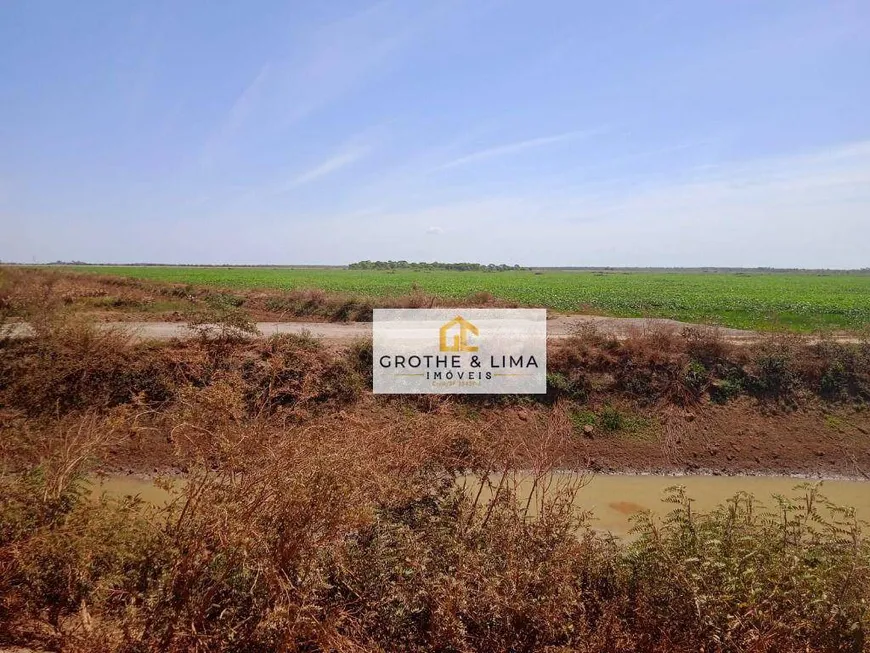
613,499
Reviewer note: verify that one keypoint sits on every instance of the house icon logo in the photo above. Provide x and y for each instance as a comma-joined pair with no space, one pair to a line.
453,335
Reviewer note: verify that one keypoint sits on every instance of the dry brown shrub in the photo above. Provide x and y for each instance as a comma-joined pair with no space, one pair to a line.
276,505
31,296
69,364
771,370
308,301
654,342
707,346
835,370
481,298
648,366
294,523
294,374
415,299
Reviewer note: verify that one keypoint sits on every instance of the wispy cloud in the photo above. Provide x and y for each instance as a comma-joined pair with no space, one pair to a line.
519,146
805,209
244,104
261,194
330,165
785,211
323,64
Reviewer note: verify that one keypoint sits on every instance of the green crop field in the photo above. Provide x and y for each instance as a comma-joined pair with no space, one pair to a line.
799,301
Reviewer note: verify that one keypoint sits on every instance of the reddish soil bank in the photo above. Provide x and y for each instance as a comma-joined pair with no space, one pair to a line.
736,439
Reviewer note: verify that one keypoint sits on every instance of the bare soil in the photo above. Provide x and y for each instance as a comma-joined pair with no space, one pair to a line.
558,327
736,439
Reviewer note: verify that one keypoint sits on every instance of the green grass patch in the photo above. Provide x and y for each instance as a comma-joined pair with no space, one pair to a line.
611,420
792,301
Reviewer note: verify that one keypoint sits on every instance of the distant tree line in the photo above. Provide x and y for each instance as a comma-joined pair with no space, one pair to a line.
435,265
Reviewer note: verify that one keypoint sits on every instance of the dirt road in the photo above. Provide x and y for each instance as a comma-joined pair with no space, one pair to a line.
557,327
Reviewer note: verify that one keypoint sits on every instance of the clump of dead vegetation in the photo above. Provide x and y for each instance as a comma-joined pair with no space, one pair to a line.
688,367
119,298
69,364
384,539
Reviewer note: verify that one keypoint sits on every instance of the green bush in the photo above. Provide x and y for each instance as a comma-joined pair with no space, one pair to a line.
611,419
729,387
744,577
580,418
696,377
560,385
773,375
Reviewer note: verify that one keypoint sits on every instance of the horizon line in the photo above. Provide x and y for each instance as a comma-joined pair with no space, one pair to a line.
727,268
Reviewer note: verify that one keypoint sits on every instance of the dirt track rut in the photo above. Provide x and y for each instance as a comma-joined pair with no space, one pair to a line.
557,327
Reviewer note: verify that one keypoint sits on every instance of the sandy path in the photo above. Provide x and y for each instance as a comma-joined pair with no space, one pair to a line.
557,327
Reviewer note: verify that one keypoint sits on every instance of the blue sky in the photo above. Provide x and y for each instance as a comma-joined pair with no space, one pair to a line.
552,132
